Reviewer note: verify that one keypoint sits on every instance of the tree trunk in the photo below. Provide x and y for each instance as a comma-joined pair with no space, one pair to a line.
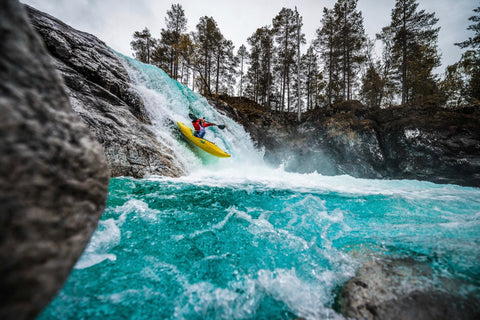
285,64
299,105
330,74
241,76
218,72
404,58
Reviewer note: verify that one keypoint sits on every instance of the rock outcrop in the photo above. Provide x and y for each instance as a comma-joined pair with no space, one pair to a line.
404,289
53,173
424,143
100,92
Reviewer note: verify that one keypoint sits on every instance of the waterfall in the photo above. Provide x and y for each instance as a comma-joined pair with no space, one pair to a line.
168,101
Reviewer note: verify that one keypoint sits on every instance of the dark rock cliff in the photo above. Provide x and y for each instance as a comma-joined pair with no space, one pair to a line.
53,173
100,92
423,143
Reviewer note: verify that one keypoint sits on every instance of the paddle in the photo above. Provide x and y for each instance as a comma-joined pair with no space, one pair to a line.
194,118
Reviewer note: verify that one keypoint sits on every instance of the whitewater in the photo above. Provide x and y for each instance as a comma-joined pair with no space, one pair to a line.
237,239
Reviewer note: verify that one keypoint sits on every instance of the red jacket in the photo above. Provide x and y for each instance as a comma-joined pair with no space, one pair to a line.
196,124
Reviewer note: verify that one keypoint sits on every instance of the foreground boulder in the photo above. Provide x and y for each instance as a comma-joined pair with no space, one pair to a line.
100,92
53,173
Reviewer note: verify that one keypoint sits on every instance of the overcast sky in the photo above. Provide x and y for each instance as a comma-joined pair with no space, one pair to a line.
115,21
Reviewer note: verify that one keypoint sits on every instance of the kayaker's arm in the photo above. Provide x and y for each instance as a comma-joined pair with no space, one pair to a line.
208,124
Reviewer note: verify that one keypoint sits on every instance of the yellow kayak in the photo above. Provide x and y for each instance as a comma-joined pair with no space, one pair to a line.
202,143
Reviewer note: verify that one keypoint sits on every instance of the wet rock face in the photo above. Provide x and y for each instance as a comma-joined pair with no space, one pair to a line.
423,143
53,173
404,289
100,92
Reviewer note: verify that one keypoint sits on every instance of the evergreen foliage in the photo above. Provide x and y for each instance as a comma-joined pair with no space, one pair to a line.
339,64
350,42
475,41
462,80
242,56
284,30
143,44
413,50
313,80
259,75
176,23
327,44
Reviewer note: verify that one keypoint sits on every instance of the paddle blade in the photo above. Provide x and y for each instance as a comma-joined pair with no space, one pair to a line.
192,116
221,126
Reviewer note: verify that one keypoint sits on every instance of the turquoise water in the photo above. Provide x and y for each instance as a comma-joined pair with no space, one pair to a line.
236,239
254,247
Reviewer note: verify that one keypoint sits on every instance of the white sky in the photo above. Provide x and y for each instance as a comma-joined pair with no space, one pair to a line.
115,21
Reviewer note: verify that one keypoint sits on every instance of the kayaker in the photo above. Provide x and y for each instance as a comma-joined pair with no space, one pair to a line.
199,125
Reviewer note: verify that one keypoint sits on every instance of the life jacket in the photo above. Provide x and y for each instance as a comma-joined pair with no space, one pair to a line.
197,126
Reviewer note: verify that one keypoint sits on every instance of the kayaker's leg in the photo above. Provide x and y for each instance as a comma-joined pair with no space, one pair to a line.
202,132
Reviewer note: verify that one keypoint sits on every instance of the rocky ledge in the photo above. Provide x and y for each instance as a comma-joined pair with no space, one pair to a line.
100,92
405,142
405,289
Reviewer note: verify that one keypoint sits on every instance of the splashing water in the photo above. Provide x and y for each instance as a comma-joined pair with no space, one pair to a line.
168,101
236,239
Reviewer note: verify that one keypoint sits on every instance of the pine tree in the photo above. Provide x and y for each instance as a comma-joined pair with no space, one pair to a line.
469,65
327,44
351,39
372,87
414,50
387,68
186,51
242,56
284,28
259,74
207,39
453,85
475,41
374,83
310,70
225,67
142,45
299,58
176,24
252,76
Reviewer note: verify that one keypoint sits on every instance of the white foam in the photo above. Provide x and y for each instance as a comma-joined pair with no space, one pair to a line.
256,177
106,237
242,297
137,208
305,298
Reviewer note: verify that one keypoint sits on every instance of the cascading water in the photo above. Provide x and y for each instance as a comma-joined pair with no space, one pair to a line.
235,239
168,101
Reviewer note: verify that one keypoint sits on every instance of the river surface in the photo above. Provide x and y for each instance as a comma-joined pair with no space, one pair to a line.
263,245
